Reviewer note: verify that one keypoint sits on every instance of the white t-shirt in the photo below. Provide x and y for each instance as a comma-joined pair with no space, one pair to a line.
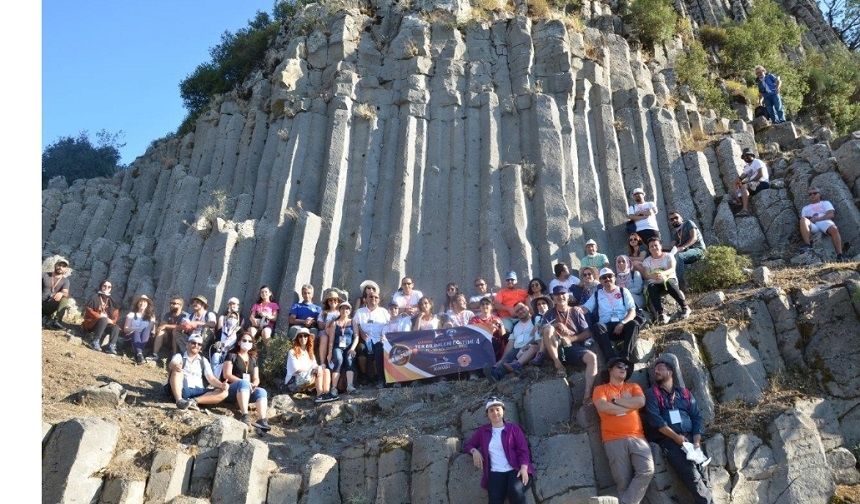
403,301
460,319
478,297
522,333
613,306
662,265
571,280
371,321
751,168
649,222
191,373
400,324
498,459
817,209
325,318
303,362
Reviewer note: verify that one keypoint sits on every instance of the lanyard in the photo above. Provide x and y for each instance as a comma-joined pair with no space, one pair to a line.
55,280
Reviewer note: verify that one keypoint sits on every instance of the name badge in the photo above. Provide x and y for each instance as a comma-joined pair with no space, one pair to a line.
342,343
674,416
246,377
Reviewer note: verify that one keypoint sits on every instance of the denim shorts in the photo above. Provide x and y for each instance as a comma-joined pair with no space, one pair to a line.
256,395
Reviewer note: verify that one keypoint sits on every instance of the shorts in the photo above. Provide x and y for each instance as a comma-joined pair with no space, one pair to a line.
759,187
191,392
573,354
256,395
821,226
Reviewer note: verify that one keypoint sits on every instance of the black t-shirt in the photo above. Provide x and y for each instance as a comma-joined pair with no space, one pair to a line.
239,365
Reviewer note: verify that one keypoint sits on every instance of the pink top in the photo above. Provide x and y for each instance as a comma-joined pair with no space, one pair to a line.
265,310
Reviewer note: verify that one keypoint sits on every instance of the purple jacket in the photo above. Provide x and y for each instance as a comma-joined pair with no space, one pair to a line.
513,442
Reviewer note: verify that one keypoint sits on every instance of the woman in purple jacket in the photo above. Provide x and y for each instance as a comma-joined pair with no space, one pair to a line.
500,450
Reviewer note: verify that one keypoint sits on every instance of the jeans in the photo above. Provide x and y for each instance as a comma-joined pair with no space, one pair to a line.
235,387
657,290
341,360
502,485
139,339
688,256
773,105
688,472
628,336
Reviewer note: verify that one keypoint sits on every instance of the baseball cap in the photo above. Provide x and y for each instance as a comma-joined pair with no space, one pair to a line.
591,242
512,275
605,271
195,339
559,289
494,401
638,190
344,304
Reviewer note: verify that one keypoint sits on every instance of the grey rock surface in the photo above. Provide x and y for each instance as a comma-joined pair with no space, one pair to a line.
76,451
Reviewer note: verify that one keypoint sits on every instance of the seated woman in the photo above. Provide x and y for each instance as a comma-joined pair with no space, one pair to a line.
588,283
537,288
229,324
242,373
425,319
264,315
303,372
331,298
342,344
636,249
452,290
138,325
661,277
459,315
492,324
101,314
630,279
500,450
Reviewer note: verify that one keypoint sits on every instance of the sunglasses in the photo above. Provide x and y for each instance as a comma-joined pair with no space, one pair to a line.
194,343
607,277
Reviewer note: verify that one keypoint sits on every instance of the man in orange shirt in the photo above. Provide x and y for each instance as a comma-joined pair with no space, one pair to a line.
507,297
629,454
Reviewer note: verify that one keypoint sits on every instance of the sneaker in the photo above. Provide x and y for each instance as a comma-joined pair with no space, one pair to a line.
153,357
138,357
321,398
94,344
685,313
183,404
664,319
111,350
262,424
350,389
538,360
245,418
333,396
517,368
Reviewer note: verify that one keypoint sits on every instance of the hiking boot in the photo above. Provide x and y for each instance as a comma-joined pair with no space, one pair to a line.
153,357
263,425
138,358
245,419
111,350
94,344
183,404
684,313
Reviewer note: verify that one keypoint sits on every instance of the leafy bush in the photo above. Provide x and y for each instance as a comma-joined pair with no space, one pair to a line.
712,36
747,94
78,158
274,364
653,21
692,69
720,268
833,78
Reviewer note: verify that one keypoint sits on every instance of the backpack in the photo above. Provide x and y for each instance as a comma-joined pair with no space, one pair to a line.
596,314
167,391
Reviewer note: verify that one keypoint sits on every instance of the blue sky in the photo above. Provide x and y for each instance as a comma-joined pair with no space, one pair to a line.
116,64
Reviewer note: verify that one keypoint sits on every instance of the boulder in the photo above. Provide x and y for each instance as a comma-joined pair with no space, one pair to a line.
843,466
802,473
785,134
284,489
208,442
283,405
430,456
169,475
777,217
242,473
77,450
761,334
761,276
712,299
749,456
110,395
471,419
394,474
735,365
558,476
462,476
545,405
123,491
357,467
848,161
788,338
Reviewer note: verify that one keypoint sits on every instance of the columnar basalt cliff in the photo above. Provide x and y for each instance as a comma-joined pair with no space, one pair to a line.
386,141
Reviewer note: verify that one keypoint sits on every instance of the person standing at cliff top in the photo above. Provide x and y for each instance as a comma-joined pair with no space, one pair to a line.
407,297
643,214
768,89
592,258
818,216
55,295
754,179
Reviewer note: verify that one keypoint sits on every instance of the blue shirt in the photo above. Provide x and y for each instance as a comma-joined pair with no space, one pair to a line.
657,411
611,307
767,84
303,311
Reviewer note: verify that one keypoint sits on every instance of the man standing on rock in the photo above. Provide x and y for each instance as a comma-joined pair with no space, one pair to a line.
818,216
754,178
187,371
768,89
674,422
629,454
566,336
643,214
689,243
55,295
304,313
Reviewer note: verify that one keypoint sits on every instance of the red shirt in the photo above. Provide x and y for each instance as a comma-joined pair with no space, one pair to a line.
509,298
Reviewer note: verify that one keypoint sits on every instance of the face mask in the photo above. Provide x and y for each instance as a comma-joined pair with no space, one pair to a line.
246,345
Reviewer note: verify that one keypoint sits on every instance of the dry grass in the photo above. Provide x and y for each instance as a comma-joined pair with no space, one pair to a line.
619,125
538,9
694,142
783,391
808,276
528,174
846,494
365,111
411,49
573,22
488,5
592,52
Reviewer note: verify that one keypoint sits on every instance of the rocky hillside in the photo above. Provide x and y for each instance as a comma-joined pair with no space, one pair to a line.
774,368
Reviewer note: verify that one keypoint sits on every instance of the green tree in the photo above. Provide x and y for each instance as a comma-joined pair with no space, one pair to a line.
77,157
844,17
833,79
653,21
